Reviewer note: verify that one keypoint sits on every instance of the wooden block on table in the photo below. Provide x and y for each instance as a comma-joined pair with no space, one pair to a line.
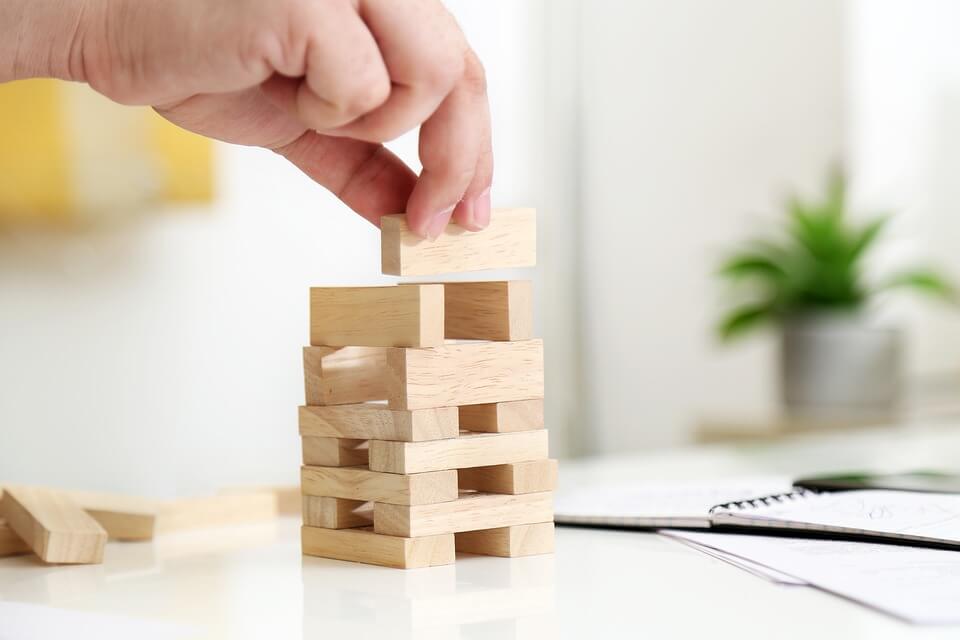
470,512
336,513
123,517
344,375
499,310
469,450
216,511
287,496
410,315
363,545
508,542
334,452
359,483
501,417
377,422
514,478
469,373
10,543
53,526
509,241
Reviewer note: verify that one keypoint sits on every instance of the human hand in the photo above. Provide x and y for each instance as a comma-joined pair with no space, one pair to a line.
321,82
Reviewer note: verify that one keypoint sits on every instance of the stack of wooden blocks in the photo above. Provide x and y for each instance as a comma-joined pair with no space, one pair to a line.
423,430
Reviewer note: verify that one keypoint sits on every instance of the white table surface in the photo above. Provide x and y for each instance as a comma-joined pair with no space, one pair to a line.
252,582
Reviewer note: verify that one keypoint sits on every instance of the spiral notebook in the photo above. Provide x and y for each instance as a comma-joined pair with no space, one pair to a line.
929,519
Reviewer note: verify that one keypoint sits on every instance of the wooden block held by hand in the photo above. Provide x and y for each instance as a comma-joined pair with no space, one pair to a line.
359,483
334,452
508,542
469,450
469,373
363,545
514,478
509,241
377,422
470,512
336,513
502,417
410,315
53,526
499,310
344,375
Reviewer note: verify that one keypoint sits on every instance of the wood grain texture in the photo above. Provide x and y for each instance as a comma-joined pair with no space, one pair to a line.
514,478
336,513
469,450
344,375
469,373
334,452
10,543
508,542
359,483
503,417
470,512
497,310
363,545
377,422
123,517
509,241
53,525
410,315
217,511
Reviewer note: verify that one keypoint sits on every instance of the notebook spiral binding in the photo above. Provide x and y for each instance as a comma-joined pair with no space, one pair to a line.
766,501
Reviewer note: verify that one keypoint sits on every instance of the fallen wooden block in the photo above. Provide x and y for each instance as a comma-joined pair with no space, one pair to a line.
287,496
410,315
336,513
53,526
216,511
470,512
502,417
10,543
123,517
469,373
377,422
334,452
363,545
509,241
508,542
469,450
499,310
344,375
359,483
514,478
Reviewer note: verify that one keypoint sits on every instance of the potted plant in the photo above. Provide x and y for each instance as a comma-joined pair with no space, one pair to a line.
809,280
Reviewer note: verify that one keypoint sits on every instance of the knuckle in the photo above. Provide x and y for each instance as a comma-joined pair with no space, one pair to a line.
443,71
363,97
474,75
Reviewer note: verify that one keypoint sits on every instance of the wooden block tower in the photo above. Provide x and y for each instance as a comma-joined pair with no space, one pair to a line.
423,429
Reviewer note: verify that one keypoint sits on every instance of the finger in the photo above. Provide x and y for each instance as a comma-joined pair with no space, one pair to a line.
343,73
473,212
450,144
367,177
423,48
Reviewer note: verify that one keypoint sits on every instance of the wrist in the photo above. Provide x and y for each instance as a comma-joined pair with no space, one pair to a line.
43,38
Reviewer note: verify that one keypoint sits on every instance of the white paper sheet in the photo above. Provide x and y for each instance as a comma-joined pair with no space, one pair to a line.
751,567
912,583
36,622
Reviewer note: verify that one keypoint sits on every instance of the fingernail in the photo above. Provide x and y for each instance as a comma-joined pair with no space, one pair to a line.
481,209
439,222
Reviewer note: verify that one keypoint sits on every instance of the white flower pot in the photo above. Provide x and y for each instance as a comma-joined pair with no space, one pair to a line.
836,365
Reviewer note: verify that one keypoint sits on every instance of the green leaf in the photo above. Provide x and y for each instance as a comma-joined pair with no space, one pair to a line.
744,319
924,281
865,238
752,265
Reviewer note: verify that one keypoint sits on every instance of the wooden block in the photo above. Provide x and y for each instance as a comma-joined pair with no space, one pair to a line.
501,417
123,517
510,241
469,450
216,511
344,375
470,512
334,452
363,545
377,422
10,543
410,315
53,526
288,497
336,513
500,310
508,542
469,373
359,483
514,478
